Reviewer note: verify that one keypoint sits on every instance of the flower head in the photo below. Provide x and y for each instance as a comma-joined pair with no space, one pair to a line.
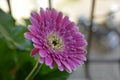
56,39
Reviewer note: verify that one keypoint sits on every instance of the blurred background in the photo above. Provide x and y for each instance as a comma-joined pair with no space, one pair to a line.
104,53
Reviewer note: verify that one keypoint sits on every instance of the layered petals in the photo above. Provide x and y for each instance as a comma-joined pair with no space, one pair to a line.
56,40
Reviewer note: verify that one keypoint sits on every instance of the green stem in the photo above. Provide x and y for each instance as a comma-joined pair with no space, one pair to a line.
34,71
9,6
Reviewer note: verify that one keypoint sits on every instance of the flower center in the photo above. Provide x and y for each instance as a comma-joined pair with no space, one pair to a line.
55,42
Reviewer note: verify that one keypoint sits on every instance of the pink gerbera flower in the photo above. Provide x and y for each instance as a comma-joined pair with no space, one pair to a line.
56,39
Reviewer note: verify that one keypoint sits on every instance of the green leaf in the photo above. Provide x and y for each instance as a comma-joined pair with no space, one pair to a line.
51,74
11,60
14,48
23,71
27,22
6,60
56,75
13,34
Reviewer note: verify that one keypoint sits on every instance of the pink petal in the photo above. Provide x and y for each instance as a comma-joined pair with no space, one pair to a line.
80,43
42,14
48,14
77,44
37,46
61,68
78,35
32,29
54,14
35,40
42,60
48,60
35,14
51,65
76,61
57,62
43,53
65,21
80,57
81,51
34,51
28,35
68,70
70,26
72,64
67,66
34,22
59,17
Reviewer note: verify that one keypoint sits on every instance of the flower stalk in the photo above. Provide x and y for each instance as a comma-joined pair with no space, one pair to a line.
9,6
34,71
89,40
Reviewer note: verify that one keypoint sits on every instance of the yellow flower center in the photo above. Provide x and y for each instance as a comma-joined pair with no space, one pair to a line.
55,42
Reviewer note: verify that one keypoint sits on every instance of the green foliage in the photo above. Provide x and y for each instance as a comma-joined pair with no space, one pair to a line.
15,61
55,75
